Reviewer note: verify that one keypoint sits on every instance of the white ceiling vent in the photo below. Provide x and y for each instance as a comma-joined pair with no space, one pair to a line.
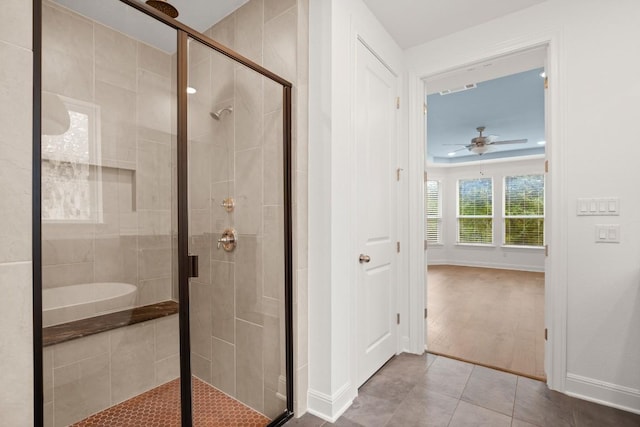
458,89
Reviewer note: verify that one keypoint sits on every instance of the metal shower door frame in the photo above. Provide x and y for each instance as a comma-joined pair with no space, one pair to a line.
184,33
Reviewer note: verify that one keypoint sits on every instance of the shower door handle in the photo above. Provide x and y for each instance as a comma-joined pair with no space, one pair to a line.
193,266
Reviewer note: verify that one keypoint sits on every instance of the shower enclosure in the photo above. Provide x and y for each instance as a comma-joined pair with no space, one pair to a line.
163,293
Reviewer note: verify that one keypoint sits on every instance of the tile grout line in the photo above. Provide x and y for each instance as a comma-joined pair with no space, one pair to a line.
515,396
400,404
461,393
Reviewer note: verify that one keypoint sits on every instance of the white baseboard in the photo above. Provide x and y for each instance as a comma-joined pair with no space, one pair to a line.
497,265
330,408
616,396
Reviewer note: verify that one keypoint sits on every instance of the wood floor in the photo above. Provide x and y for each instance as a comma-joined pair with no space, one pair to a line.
487,316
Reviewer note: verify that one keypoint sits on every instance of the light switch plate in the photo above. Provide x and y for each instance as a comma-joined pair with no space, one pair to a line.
607,233
600,206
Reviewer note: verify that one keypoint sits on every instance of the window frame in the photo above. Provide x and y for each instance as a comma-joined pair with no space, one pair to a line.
491,217
505,216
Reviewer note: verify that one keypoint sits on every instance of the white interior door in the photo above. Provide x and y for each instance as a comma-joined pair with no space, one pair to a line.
376,187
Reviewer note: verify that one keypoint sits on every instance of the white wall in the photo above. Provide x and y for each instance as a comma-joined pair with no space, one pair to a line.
496,256
334,30
594,154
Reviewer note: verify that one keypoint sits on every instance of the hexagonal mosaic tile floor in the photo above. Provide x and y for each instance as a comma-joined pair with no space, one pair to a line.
161,407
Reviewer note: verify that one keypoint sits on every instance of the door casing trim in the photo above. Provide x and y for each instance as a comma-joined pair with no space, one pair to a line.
556,265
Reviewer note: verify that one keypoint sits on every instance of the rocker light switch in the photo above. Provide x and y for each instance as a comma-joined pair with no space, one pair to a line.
608,233
602,206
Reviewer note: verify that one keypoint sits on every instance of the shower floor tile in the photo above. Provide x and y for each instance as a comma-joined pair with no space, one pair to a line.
161,407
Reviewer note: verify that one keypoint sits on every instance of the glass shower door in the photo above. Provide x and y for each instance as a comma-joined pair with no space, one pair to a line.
237,231
110,331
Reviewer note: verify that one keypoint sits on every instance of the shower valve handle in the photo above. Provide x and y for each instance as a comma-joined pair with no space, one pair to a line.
228,240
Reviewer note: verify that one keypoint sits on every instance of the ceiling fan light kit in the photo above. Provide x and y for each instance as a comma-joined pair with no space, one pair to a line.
479,149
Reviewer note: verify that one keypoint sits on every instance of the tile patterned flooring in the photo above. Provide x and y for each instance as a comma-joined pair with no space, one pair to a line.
161,407
432,390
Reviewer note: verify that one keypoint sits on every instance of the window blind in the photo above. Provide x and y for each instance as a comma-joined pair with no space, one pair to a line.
524,210
433,208
475,211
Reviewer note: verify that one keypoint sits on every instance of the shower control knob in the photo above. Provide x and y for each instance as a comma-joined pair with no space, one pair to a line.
228,204
228,241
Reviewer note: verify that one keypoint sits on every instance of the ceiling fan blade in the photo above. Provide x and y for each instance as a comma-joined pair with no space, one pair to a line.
466,147
455,144
511,141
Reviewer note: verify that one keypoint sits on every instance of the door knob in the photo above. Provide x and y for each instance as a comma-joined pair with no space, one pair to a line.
364,258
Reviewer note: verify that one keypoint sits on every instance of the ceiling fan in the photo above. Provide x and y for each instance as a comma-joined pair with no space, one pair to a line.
481,144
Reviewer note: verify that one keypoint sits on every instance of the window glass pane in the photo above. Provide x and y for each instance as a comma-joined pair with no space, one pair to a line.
524,231
475,230
475,197
524,195
433,198
433,208
433,230
71,178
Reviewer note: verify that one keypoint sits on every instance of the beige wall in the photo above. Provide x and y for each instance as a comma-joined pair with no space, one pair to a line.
16,394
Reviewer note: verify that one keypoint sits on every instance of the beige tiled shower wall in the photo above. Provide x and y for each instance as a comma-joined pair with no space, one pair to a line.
129,83
237,302
16,395
87,375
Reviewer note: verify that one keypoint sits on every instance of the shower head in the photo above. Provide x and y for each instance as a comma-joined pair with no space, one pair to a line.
217,115
164,7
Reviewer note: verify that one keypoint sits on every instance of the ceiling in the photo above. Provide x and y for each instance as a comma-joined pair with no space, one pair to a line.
410,22
197,14
510,107
413,22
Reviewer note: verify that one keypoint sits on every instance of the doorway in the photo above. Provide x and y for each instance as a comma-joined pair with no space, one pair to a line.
485,213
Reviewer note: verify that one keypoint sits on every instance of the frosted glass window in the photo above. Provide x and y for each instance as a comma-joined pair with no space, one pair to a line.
71,189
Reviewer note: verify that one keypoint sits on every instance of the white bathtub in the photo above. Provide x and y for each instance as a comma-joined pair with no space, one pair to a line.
67,303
